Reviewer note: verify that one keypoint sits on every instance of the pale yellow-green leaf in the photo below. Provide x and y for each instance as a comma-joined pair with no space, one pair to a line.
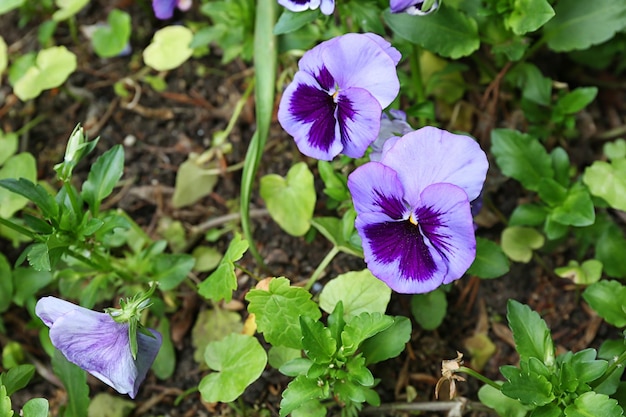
169,48
4,58
52,67
68,8
193,181
359,291
106,405
518,242
22,165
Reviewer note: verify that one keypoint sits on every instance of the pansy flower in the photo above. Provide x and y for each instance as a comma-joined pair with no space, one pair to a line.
164,9
414,7
413,208
335,101
99,344
326,6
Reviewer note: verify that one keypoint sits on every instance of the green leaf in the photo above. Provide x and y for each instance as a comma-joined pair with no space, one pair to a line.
17,378
531,334
591,404
6,284
521,156
490,262
109,41
518,242
5,403
68,8
608,181
576,100
290,200
607,299
223,281
332,229
585,274
170,269
362,327
240,360
75,381
505,406
39,257
577,209
8,5
280,355
194,180
528,16
52,67
33,192
449,32
35,407
169,48
561,165
317,342
165,362
27,282
533,85
291,21
528,388
22,166
299,392
528,215
212,325
311,408
8,141
586,367
359,291
578,26
610,248
103,177
277,312
613,150
389,343
429,309
107,405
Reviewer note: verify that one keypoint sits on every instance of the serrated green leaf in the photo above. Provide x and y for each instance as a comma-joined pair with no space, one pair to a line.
518,242
223,281
291,21
577,26
359,291
607,299
317,341
531,334
290,200
35,407
429,309
528,388
608,181
362,327
591,404
490,261
240,360
22,166
448,32
39,257
169,48
103,177
528,16
278,309
74,380
522,157
51,68
389,343
577,209
586,367
109,41
299,392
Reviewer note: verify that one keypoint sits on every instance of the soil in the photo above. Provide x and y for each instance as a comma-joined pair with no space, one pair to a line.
161,130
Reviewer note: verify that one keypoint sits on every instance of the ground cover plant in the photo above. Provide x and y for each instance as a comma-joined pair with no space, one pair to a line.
312,208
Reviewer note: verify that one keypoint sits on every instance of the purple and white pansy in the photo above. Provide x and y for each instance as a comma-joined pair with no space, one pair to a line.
164,9
413,208
335,101
414,7
326,6
99,344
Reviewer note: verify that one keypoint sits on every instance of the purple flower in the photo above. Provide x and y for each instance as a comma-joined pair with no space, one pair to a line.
99,344
335,101
164,9
414,7
391,125
413,208
326,6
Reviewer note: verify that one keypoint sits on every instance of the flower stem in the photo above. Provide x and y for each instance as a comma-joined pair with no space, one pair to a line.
320,268
478,376
619,362
17,228
416,78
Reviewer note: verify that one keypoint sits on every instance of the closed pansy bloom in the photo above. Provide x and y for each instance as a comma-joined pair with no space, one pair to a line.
164,9
413,208
99,344
326,6
335,101
414,7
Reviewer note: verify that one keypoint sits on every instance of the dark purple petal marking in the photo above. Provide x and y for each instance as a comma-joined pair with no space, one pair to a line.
345,110
312,105
432,224
392,206
326,80
402,241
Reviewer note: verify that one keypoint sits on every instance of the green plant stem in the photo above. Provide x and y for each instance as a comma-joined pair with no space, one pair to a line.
621,360
416,78
220,137
18,228
478,376
320,268
72,196
85,260
31,123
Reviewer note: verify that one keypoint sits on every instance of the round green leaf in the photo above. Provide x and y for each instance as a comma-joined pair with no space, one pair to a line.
360,292
239,359
518,242
109,41
169,48
490,262
290,200
429,309
608,180
22,165
607,299
68,8
52,67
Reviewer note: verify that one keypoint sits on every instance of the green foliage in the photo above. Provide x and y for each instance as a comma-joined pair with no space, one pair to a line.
109,41
36,407
5,403
194,180
528,15
239,360
531,334
50,69
103,177
223,281
448,32
16,378
608,181
74,380
340,232
519,242
607,299
169,48
22,166
490,262
429,309
290,200
585,274
291,21
68,8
